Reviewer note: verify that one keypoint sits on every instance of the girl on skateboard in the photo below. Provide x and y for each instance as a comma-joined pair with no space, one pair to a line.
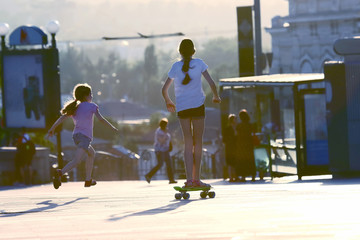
186,75
82,111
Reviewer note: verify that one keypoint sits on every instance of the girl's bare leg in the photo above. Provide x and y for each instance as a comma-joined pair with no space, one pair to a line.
188,152
79,154
89,163
198,131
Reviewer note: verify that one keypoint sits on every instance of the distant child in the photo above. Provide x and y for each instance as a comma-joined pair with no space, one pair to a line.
190,108
162,149
82,111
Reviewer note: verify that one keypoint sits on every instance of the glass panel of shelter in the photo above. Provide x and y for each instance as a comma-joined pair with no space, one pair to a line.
271,109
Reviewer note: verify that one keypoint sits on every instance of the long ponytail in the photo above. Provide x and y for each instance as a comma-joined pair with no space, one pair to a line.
69,108
80,92
187,50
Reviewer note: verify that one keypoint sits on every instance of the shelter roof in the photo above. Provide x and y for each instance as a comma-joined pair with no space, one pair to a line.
274,79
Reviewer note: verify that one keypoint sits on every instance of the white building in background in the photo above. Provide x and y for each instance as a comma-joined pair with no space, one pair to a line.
303,41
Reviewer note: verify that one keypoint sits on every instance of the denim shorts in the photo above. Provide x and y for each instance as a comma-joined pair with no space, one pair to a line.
198,112
81,141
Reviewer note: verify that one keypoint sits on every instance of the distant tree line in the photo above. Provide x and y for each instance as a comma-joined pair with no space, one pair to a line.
113,77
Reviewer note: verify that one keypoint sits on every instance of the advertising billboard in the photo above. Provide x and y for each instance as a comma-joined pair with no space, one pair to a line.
27,78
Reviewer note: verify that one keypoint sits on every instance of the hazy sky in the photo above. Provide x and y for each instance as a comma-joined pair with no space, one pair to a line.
93,19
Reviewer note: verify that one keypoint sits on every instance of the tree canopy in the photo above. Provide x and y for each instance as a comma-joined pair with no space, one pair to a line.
114,77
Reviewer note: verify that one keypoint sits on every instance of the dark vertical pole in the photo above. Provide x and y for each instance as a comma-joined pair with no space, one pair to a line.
55,87
53,41
56,84
3,46
3,50
299,130
258,50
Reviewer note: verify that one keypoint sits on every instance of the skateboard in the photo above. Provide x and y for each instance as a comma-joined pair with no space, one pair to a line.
183,192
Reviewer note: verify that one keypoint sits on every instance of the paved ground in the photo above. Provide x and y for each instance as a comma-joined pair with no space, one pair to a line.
315,208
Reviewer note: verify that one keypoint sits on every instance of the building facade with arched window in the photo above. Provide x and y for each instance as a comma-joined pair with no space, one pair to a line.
303,41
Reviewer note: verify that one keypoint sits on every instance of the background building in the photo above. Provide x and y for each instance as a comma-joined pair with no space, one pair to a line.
303,41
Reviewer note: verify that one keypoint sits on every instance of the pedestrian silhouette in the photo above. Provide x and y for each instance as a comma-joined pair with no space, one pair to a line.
25,151
245,147
162,151
229,140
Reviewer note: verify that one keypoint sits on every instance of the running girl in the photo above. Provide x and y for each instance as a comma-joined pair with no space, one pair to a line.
82,111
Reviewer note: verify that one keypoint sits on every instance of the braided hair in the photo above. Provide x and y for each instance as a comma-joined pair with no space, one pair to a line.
187,50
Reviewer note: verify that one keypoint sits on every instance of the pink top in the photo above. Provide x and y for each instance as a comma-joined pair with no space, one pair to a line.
84,118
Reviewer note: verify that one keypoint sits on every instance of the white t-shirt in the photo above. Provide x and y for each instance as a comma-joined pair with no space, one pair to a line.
190,95
162,140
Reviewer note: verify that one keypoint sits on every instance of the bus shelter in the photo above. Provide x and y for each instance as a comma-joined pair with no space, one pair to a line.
289,116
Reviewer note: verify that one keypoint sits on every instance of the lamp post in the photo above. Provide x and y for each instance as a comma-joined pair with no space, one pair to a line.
4,29
53,27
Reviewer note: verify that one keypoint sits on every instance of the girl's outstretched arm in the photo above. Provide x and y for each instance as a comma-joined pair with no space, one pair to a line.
104,121
216,98
169,104
56,124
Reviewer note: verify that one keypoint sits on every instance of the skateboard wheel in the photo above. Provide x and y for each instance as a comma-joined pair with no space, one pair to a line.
178,196
186,196
203,194
211,194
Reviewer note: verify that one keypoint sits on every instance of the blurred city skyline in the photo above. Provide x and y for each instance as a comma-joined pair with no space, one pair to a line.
87,21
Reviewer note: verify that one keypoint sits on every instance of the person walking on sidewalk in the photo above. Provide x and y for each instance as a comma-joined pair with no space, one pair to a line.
162,147
245,147
82,111
186,75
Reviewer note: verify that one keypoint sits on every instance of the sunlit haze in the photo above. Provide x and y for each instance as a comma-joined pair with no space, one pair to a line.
93,19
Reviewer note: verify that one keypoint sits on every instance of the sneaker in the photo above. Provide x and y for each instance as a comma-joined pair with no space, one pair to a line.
57,178
173,181
148,179
188,184
198,183
90,183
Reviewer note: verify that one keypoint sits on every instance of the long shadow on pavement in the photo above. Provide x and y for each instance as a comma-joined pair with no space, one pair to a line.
154,211
48,206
